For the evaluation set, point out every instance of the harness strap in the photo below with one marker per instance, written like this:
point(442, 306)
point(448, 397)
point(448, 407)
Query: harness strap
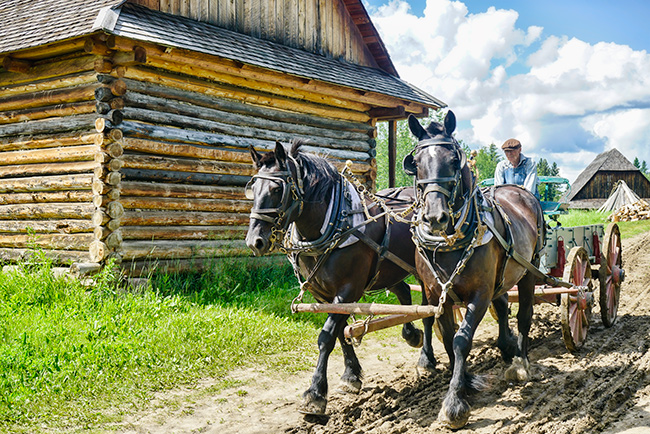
point(386, 253)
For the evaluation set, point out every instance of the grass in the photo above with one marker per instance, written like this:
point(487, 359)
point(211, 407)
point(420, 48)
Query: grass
point(589, 217)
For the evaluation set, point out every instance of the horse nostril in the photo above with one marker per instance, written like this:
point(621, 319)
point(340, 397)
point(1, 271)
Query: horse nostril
point(259, 244)
point(443, 219)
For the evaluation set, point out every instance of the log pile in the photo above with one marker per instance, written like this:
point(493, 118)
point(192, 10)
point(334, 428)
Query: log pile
point(639, 210)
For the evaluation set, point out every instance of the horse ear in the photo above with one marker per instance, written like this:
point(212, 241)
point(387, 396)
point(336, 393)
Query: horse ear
point(450, 122)
point(280, 155)
point(256, 156)
point(409, 165)
point(417, 129)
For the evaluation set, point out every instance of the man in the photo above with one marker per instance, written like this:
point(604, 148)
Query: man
point(516, 168)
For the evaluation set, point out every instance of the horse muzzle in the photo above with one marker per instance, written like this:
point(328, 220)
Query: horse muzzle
point(258, 244)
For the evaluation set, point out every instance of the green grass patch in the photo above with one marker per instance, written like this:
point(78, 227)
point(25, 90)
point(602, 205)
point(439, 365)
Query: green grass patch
point(76, 357)
point(590, 217)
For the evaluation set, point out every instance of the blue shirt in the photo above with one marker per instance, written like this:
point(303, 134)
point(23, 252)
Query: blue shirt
point(524, 174)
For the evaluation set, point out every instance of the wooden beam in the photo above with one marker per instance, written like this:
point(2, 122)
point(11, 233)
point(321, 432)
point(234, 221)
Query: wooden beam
point(183, 232)
point(180, 218)
point(165, 249)
point(392, 152)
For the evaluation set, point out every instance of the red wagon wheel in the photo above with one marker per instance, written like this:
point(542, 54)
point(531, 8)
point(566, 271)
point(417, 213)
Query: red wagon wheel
point(576, 308)
point(610, 275)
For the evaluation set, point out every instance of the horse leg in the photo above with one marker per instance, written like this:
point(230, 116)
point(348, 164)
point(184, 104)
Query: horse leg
point(315, 398)
point(352, 375)
point(506, 342)
point(427, 360)
point(519, 370)
point(411, 334)
point(455, 409)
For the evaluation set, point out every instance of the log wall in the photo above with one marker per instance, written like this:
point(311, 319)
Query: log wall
point(600, 186)
point(319, 26)
point(121, 151)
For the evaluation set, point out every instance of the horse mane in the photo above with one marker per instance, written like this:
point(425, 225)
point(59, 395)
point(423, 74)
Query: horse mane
point(435, 129)
point(319, 175)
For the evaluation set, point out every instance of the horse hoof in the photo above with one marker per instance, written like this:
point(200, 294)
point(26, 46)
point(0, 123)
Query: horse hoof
point(313, 406)
point(456, 423)
point(427, 364)
point(414, 339)
point(518, 371)
point(351, 387)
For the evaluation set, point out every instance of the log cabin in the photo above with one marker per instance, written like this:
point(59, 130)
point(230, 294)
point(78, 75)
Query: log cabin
point(124, 125)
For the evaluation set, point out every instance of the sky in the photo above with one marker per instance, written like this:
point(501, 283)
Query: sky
point(569, 79)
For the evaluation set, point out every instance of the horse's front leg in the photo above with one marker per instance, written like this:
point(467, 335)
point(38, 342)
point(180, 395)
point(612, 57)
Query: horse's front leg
point(506, 342)
point(455, 409)
point(520, 368)
point(352, 375)
point(315, 398)
point(411, 334)
point(427, 360)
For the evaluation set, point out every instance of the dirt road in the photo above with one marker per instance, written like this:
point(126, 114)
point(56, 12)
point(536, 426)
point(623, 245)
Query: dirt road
point(605, 387)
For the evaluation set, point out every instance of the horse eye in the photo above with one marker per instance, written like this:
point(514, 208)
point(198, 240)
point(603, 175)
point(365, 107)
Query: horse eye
point(275, 189)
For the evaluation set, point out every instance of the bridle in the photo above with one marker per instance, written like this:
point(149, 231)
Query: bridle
point(291, 204)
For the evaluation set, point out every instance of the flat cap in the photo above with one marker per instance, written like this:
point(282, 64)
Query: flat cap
point(511, 144)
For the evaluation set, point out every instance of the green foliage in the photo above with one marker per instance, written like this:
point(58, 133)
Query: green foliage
point(548, 192)
point(590, 217)
point(487, 159)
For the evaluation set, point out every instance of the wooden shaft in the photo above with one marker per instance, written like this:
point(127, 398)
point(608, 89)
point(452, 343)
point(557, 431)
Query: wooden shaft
point(187, 204)
point(182, 249)
point(46, 183)
point(65, 226)
point(359, 328)
point(366, 308)
point(183, 232)
point(178, 218)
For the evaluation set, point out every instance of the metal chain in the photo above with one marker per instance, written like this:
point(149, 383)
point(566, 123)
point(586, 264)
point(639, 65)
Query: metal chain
point(365, 193)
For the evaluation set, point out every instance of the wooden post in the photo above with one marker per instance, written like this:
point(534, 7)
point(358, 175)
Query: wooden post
point(392, 152)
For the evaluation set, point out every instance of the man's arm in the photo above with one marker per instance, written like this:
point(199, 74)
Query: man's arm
point(532, 180)
point(499, 177)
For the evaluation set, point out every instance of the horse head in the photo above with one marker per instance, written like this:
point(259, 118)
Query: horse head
point(442, 176)
point(277, 194)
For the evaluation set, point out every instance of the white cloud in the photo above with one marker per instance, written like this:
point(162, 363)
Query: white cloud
point(568, 101)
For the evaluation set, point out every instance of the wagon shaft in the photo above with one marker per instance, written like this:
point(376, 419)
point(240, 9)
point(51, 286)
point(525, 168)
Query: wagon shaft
point(365, 309)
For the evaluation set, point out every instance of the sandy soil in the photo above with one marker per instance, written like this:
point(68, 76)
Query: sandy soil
point(605, 387)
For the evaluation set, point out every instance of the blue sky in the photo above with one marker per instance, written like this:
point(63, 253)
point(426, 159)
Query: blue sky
point(570, 78)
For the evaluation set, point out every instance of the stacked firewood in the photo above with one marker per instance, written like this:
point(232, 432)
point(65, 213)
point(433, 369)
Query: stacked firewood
point(639, 210)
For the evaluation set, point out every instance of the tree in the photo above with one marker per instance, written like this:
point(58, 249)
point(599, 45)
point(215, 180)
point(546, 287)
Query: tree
point(644, 167)
point(637, 163)
point(487, 159)
point(549, 192)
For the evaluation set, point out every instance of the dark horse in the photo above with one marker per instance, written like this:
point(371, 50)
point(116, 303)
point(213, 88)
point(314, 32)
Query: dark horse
point(458, 263)
point(299, 188)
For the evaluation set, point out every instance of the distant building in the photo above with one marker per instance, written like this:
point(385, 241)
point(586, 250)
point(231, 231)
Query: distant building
point(594, 185)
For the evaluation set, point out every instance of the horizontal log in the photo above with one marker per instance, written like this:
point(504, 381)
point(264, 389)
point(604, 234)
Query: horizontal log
point(63, 226)
point(49, 126)
point(85, 268)
point(58, 256)
point(48, 70)
point(46, 183)
point(198, 96)
point(249, 96)
point(49, 155)
point(50, 141)
point(149, 131)
point(182, 177)
point(129, 188)
point(169, 105)
point(186, 204)
point(47, 97)
point(46, 169)
point(366, 308)
point(70, 109)
point(181, 218)
point(182, 249)
point(186, 150)
point(184, 232)
point(47, 211)
point(45, 197)
point(78, 79)
point(202, 124)
point(151, 162)
point(78, 241)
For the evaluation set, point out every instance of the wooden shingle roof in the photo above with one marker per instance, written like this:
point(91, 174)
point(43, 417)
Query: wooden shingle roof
point(610, 161)
point(139, 23)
